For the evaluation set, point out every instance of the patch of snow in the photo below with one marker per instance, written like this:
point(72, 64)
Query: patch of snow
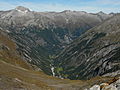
point(22, 11)
point(7, 31)
point(29, 58)
point(26, 55)
point(67, 39)
point(75, 52)
point(88, 59)
point(25, 11)
point(67, 20)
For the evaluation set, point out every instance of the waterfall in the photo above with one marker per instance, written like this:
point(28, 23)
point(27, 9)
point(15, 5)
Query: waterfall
point(52, 69)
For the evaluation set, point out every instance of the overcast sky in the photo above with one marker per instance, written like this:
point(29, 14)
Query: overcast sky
point(60, 5)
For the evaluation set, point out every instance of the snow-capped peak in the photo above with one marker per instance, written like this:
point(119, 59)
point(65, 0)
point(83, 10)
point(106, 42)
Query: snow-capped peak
point(22, 9)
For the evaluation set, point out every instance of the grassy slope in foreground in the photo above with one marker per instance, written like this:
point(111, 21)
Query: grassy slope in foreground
point(13, 77)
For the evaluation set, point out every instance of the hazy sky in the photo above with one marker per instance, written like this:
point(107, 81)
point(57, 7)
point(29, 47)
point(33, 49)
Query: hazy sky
point(60, 5)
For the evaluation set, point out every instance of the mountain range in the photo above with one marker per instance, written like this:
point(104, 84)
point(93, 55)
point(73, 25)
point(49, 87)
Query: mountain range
point(72, 45)
point(40, 36)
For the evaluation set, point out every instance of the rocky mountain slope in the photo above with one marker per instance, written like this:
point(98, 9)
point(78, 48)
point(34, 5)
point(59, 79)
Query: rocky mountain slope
point(41, 35)
point(17, 74)
point(8, 52)
point(95, 53)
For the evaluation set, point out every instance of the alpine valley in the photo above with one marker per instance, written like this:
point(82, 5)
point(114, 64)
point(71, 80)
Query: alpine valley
point(68, 50)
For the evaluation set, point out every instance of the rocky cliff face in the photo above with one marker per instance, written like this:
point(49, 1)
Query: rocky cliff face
point(95, 53)
point(41, 35)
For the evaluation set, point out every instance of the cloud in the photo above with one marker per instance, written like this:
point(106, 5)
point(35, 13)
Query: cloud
point(89, 6)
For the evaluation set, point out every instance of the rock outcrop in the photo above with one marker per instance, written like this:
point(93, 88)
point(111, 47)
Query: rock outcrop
point(113, 84)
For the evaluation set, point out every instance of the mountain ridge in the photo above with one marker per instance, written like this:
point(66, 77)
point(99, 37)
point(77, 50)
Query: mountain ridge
point(94, 53)
point(40, 36)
